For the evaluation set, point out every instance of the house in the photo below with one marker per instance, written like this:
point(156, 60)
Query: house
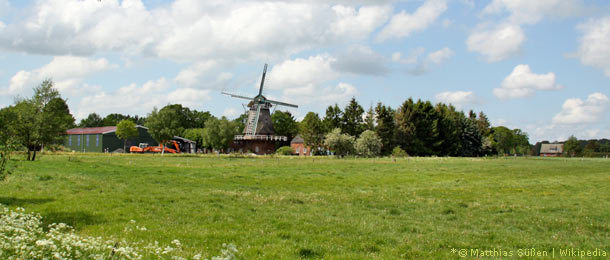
point(551, 150)
point(298, 146)
point(102, 139)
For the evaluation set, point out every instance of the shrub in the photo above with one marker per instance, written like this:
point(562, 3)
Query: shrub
point(341, 144)
point(22, 237)
point(399, 152)
point(369, 144)
point(284, 150)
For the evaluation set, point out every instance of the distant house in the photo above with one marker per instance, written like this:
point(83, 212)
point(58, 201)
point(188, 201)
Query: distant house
point(298, 146)
point(103, 139)
point(551, 150)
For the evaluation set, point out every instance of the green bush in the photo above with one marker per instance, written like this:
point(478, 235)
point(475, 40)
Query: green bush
point(399, 152)
point(369, 144)
point(341, 144)
point(284, 150)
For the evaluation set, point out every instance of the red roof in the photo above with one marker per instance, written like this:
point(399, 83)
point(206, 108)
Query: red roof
point(91, 130)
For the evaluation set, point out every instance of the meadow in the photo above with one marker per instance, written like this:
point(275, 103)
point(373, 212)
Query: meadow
point(309, 208)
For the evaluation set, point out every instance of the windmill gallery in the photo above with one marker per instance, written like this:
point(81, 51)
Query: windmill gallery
point(258, 135)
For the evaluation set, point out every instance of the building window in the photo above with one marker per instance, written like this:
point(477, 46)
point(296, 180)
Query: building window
point(256, 148)
point(69, 140)
point(78, 140)
point(298, 150)
point(87, 140)
point(97, 140)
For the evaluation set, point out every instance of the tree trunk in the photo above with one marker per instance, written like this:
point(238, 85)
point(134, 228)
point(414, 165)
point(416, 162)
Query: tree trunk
point(34, 156)
point(162, 149)
point(29, 154)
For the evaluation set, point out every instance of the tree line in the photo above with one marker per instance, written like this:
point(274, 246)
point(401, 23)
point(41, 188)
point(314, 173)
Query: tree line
point(418, 128)
point(579, 148)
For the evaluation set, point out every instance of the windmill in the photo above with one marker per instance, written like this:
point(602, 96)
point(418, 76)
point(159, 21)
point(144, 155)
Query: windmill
point(258, 125)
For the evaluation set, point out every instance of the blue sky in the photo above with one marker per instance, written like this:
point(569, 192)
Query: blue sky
point(542, 66)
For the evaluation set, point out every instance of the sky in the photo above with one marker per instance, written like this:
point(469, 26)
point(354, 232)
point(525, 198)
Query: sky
point(541, 66)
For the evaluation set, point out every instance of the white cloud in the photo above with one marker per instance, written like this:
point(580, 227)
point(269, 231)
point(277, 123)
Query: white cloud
point(67, 72)
point(498, 42)
point(403, 23)
point(595, 44)
point(577, 111)
point(530, 12)
point(137, 99)
point(231, 113)
point(5, 8)
point(440, 56)
point(189, 30)
point(522, 82)
point(459, 99)
point(203, 75)
point(301, 72)
point(359, 23)
point(189, 97)
point(320, 95)
point(360, 59)
point(307, 81)
point(412, 58)
point(421, 63)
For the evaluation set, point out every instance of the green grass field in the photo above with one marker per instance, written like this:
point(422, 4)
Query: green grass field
point(287, 208)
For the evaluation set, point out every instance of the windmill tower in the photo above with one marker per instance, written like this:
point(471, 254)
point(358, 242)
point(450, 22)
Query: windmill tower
point(259, 135)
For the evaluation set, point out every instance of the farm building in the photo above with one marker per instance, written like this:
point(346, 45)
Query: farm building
point(551, 150)
point(298, 146)
point(102, 139)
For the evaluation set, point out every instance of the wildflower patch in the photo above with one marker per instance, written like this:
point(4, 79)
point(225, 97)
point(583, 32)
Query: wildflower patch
point(23, 237)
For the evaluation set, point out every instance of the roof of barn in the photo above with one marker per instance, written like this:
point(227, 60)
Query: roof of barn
point(94, 130)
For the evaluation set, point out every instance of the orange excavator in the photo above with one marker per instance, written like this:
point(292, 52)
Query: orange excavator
point(144, 148)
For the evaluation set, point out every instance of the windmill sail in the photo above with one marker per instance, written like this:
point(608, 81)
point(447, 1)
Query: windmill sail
point(259, 117)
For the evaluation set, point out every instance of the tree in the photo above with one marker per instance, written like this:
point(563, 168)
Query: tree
point(449, 130)
point(470, 138)
point(211, 136)
point(483, 124)
point(352, 118)
point(163, 126)
point(341, 144)
point(385, 127)
point(7, 141)
point(240, 121)
point(114, 119)
point(312, 130)
point(228, 131)
point(368, 144)
point(572, 146)
point(219, 133)
point(503, 139)
point(125, 130)
point(92, 120)
point(195, 134)
point(521, 144)
point(24, 124)
point(333, 118)
point(591, 148)
point(41, 120)
point(369, 119)
point(284, 124)
point(417, 129)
